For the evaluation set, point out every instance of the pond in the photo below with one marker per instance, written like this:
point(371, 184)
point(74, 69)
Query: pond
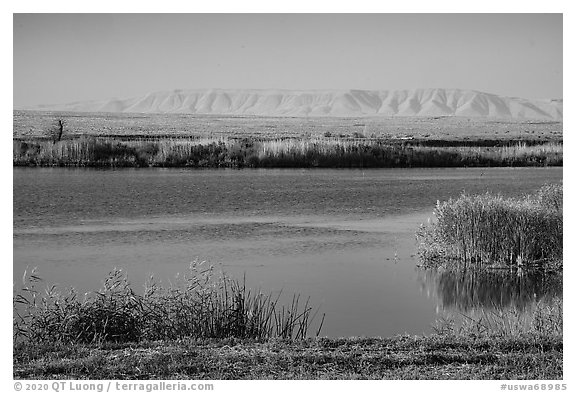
point(346, 238)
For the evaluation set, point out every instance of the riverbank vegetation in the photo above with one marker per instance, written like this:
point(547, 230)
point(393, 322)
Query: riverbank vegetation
point(281, 153)
point(488, 231)
point(199, 329)
point(199, 304)
point(491, 345)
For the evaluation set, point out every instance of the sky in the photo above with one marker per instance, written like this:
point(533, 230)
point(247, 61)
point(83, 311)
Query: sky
point(62, 58)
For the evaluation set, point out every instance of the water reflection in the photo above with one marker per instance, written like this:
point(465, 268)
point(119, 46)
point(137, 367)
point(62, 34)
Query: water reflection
point(466, 290)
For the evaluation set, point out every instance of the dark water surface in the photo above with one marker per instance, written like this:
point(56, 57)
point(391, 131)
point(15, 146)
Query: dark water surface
point(343, 237)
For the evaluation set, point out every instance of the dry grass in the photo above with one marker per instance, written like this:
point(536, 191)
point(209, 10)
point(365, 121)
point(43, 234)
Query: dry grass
point(404, 357)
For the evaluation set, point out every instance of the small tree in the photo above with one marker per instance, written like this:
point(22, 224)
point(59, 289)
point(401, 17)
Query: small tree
point(55, 132)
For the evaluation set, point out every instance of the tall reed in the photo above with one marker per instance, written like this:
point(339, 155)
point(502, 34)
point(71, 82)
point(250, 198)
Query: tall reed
point(487, 230)
point(198, 304)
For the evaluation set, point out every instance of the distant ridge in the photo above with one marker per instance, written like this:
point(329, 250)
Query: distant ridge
point(334, 103)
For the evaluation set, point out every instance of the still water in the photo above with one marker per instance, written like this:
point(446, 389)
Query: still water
point(343, 237)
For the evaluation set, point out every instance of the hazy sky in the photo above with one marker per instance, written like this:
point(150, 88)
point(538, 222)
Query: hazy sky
point(60, 58)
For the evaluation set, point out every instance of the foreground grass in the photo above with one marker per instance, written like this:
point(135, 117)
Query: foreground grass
point(403, 357)
point(284, 153)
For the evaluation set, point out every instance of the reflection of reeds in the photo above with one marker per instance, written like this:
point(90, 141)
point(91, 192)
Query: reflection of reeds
point(197, 305)
point(544, 318)
point(483, 230)
point(294, 153)
point(469, 289)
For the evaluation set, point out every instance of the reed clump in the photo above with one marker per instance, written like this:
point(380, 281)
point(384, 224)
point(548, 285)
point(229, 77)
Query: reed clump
point(288, 153)
point(489, 230)
point(198, 305)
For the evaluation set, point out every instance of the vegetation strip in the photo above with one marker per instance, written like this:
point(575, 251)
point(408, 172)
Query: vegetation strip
point(282, 153)
point(403, 357)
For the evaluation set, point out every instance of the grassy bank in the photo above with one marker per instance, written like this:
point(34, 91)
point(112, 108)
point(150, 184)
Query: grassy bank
point(490, 230)
point(287, 153)
point(404, 357)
